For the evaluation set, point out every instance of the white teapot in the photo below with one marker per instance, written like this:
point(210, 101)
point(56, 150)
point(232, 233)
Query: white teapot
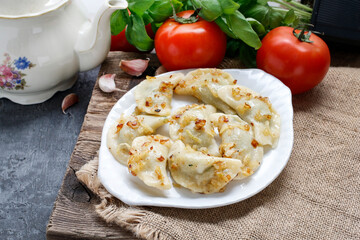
point(45, 43)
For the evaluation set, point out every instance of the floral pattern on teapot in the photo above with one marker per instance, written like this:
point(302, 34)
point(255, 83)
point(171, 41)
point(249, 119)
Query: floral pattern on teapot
point(11, 75)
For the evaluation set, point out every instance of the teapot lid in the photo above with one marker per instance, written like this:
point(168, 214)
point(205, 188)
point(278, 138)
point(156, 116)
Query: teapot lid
point(28, 8)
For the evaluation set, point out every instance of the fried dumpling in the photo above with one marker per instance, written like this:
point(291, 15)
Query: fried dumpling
point(148, 159)
point(153, 95)
point(126, 129)
point(199, 172)
point(255, 110)
point(238, 142)
point(204, 84)
point(191, 124)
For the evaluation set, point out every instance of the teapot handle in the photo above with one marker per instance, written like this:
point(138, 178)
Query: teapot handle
point(93, 42)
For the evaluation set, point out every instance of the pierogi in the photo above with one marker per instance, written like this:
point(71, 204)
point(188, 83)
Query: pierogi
point(191, 124)
point(126, 129)
point(238, 142)
point(199, 172)
point(255, 110)
point(148, 159)
point(204, 84)
point(153, 95)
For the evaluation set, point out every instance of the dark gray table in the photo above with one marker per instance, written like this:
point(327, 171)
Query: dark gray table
point(36, 142)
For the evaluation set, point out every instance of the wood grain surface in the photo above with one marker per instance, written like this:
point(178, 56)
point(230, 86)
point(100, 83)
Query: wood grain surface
point(73, 215)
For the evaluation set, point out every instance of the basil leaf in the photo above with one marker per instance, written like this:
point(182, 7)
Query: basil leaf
point(243, 30)
point(147, 18)
point(257, 26)
point(263, 2)
point(210, 9)
point(139, 6)
point(221, 22)
point(260, 13)
point(237, 48)
point(155, 26)
point(233, 48)
point(296, 22)
point(245, 4)
point(118, 21)
point(265, 14)
point(247, 55)
point(275, 19)
point(136, 33)
point(229, 6)
point(290, 17)
point(162, 9)
point(187, 5)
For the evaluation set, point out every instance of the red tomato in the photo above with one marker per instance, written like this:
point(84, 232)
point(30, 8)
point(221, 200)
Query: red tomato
point(191, 45)
point(299, 65)
point(120, 43)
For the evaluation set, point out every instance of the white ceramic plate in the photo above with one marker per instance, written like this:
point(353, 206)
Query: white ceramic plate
point(129, 189)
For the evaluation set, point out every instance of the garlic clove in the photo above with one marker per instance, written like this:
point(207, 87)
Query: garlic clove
point(107, 83)
point(160, 70)
point(68, 101)
point(134, 67)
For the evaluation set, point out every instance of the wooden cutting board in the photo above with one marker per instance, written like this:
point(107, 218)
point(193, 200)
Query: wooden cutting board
point(73, 216)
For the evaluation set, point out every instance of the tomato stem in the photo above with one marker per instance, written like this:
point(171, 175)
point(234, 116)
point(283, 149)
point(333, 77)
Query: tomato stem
point(302, 36)
point(192, 19)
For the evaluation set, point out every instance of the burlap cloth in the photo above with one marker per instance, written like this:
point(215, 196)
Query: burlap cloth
point(317, 196)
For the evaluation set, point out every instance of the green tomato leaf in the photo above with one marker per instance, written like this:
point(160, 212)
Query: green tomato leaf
point(243, 30)
point(136, 33)
point(257, 26)
point(139, 6)
point(290, 17)
point(229, 6)
point(118, 21)
point(210, 9)
point(162, 9)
